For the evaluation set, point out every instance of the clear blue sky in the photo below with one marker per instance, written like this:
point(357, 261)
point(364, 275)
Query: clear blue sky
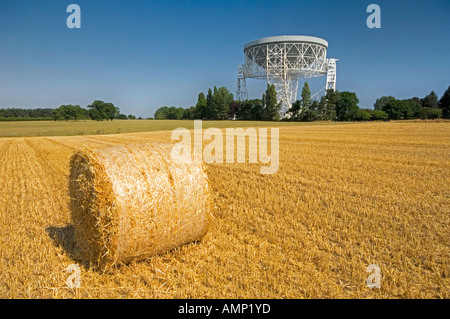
point(141, 55)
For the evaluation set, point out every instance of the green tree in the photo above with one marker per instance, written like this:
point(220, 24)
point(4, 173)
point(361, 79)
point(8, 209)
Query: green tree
point(430, 113)
point(271, 107)
point(96, 110)
point(322, 109)
point(415, 104)
point(306, 96)
point(221, 101)
point(310, 113)
point(256, 110)
point(244, 110)
point(249, 110)
point(18, 113)
point(363, 115)
point(76, 111)
point(174, 113)
point(263, 102)
point(234, 108)
point(100, 110)
point(378, 115)
point(209, 105)
point(201, 107)
point(382, 101)
point(96, 115)
point(431, 100)
point(308, 109)
point(70, 111)
point(65, 112)
point(189, 114)
point(56, 114)
point(111, 111)
point(295, 109)
point(444, 103)
point(399, 110)
point(347, 106)
point(214, 105)
point(331, 98)
point(161, 112)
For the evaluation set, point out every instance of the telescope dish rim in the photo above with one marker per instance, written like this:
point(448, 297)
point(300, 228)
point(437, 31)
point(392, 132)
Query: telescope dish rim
point(286, 39)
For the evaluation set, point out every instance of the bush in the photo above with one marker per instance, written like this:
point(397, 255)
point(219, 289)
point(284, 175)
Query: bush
point(363, 115)
point(430, 113)
point(121, 117)
point(378, 115)
point(12, 119)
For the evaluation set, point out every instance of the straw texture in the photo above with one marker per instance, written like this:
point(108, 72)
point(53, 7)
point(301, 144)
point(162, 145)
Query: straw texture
point(134, 201)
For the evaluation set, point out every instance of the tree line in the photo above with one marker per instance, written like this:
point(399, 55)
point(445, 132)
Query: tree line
point(31, 114)
point(98, 111)
point(333, 106)
point(218, 104)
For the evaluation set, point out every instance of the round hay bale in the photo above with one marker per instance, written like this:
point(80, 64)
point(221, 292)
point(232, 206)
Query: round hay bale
point(134, 201)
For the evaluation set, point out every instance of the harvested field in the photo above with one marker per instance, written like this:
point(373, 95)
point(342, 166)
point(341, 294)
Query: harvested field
point(344, 197)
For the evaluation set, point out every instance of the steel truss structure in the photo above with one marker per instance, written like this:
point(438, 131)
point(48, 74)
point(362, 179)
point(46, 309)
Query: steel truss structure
point(282, 61)
point(241, 85)
point(331, 75)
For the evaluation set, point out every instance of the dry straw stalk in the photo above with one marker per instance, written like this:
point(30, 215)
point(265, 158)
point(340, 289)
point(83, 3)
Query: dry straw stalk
point(134, 201)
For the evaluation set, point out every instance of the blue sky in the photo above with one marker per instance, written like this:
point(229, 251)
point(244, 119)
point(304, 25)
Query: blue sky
point(141, 55)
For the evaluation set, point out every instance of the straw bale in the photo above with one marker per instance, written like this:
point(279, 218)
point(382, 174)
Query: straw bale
point(134, 201)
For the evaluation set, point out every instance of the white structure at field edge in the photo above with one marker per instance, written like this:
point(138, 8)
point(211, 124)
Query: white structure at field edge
point(282, 61)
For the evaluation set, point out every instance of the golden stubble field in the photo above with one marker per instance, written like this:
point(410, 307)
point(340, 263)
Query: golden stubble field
point(344, 197)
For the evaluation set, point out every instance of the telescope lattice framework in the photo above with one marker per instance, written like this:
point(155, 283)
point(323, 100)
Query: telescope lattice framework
point(282, 61)
point(241, 85)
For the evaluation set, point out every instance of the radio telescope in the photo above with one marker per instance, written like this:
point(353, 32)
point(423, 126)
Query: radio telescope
point(282, 61)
